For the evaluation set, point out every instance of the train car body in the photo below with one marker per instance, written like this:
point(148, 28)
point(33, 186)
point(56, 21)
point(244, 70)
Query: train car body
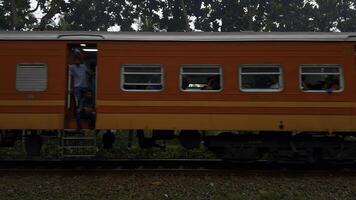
point(289, 108)
point(40, 101)
point(42, 108)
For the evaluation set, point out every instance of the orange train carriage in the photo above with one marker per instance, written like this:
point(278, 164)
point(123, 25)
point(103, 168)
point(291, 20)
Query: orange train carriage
point(246, 83)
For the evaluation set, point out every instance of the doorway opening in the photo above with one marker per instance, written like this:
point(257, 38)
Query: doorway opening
point(81, 90)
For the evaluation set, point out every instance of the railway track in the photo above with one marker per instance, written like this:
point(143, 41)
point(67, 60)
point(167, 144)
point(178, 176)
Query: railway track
point(171, 165)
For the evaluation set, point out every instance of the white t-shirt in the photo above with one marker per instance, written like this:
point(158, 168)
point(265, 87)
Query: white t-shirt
point(79, 74)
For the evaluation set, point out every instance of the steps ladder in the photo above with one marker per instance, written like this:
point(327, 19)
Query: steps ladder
point(79, 144)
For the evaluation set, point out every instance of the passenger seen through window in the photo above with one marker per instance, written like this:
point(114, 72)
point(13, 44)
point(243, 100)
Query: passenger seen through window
point(142, 77)
point(323, 78)
point(201, 78)
point(260, 78)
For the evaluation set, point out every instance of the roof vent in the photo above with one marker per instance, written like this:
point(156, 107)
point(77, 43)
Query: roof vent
point(80, 37)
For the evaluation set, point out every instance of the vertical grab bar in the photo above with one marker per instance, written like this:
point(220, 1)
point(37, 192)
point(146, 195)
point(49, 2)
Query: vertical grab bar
point(69, 89)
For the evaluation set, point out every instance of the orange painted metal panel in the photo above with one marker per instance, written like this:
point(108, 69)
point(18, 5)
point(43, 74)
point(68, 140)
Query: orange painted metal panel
point(147, 111)
point(31, 121)
point(32, 110)
point(227, 107)
point(286, 104)
point(246, 122)
point(229, 55)
point(228, 110)
point(113, 54)
point(50, 53)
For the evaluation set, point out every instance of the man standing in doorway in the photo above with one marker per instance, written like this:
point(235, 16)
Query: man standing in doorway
point(79, 74)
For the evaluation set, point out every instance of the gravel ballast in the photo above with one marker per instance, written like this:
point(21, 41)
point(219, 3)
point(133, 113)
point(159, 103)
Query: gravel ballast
point(251, 186)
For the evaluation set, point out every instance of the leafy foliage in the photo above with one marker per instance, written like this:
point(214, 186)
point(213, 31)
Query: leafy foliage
point(88, 15)
point(15, 15)
point(181, 15)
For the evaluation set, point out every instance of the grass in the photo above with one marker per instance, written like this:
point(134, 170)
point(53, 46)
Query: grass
point(171, 152)
point(16, 152)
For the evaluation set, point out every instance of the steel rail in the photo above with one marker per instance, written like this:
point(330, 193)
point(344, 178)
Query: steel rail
point(169, 165)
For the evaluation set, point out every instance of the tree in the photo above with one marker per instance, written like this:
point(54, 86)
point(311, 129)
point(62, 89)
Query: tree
point(16, 15)
point(178, 15)
point(146, 13)
point(146, 25)
point(203, 11)
point(324, 15)
point(231, 15)
point(175, 15)
point(183, 9)
point(87, 15)
point(346, 18)
point(121, 14)
point(50, 8)
point(3, 22)
point(276, 15)
point(255, 14)
point(289, 16)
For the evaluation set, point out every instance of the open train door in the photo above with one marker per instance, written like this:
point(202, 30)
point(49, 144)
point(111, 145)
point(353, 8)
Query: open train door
point(81, 90)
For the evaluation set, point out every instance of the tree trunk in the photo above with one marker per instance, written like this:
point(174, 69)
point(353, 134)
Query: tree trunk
point(13, 15)
point(185, 15)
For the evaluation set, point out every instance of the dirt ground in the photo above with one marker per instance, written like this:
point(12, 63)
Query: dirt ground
point(131, 185)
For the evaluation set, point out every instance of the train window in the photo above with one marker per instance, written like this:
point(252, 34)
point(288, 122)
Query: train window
point(200, 78)
point(31, 77)
point(321, 78)
point(142, 77)
point(260, 78)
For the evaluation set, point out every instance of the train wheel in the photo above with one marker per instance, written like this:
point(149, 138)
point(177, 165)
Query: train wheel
point(8, 138)
point(190, 139)
point(33, 144)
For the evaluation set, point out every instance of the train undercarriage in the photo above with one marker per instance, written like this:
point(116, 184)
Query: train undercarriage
point(283, 147)
point(267, 146)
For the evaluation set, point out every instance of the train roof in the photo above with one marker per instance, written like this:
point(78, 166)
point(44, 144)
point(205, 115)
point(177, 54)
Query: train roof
point(178, 36)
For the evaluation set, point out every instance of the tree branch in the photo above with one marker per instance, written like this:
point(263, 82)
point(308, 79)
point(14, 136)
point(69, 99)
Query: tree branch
point(52, 11)
point(185, 15)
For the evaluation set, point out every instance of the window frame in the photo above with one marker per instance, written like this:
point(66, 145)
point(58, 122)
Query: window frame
point(341, 73)
point(45, 65)
point(269, 90)
point(219, 66)
point(122, 74)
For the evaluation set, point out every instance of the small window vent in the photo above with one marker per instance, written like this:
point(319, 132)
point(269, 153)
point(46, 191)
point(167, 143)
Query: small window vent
point(31, 77)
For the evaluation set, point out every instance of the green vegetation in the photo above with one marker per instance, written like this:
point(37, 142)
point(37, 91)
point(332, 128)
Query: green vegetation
point(52, 150)
point(170, 152)
point(171, 16)
point(267, 195)
point(16, 152)
point(172, 149)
